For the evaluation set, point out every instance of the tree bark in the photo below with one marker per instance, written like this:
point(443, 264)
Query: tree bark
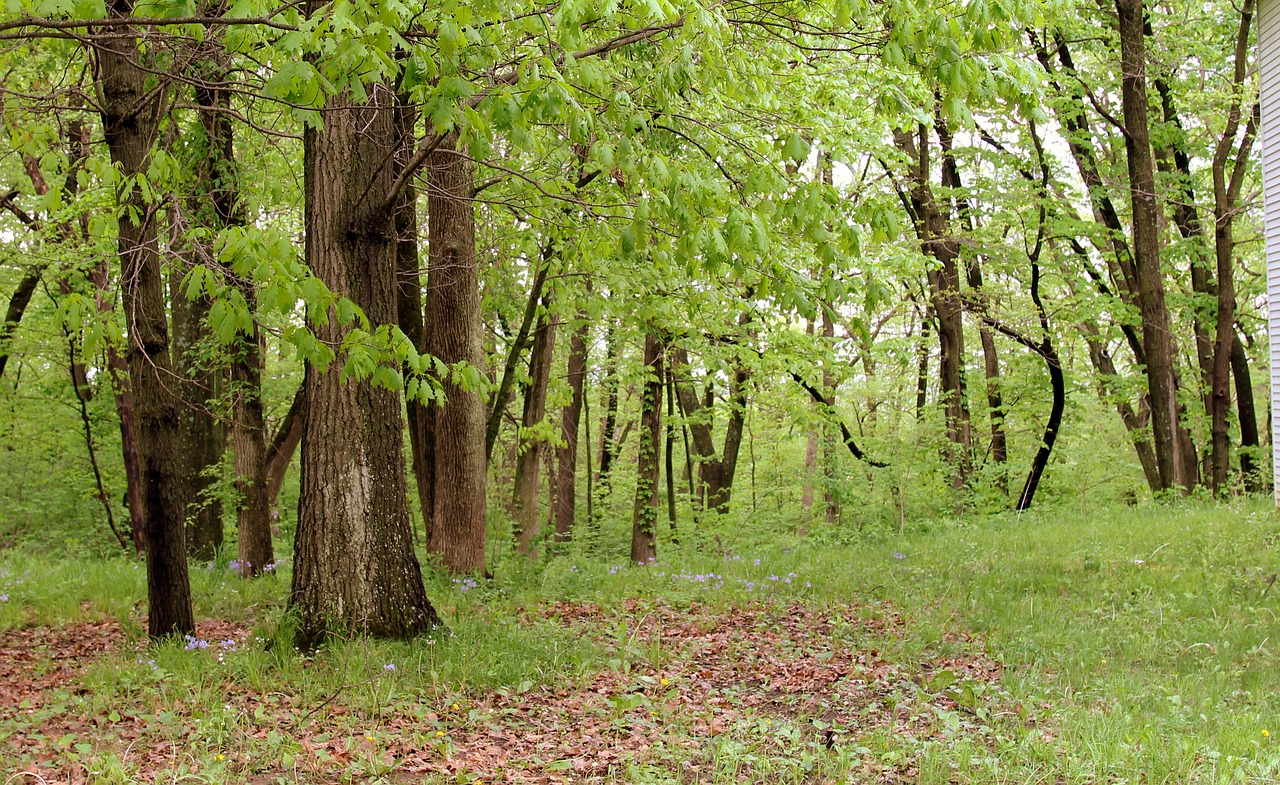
point(354, 569)
point(644, 518)
point(130, 114)
point(532, 448)
point(456, 532)
point(1157, 337)
point(567, 453)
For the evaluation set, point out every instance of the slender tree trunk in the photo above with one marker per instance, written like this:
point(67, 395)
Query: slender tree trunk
point(829, 450)
point(1157, 336)
point(810, 465)
point(283, 445)
point(922, 364)
point(567, 453)
point(1248, 417)
point(533, 447)
point(644, 518)
point(355, 568)
point(456, 532)
point(130, 114)
point(420, 415)
point(669, 467)
point(1135, 423)
point(608, 427)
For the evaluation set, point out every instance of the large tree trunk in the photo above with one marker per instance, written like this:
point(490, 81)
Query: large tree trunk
point(130, 114)
point(567, 453)
point(532, 447)
point(354, 569)
point(1157, 338)
point(456, 531)
point(644, 518)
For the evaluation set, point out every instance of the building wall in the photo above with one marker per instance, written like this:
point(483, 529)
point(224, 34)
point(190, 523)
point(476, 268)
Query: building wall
point(1269, 69)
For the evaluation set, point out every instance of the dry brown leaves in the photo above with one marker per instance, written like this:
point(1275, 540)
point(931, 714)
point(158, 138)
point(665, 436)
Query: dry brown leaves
point(679, 680)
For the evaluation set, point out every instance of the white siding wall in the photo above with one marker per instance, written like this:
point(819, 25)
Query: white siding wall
point(1269, 68)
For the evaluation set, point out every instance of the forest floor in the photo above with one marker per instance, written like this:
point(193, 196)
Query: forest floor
point(1137, 647)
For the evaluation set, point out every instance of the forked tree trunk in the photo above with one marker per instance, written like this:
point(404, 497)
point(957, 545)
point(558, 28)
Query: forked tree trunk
point(354, 569)
point(130, 115)
point(644, 517)
point(456, 531)
point(567, 453)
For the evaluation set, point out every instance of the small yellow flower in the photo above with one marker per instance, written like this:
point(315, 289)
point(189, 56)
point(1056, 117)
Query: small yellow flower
point(370, 738)
point(439, 733)
point(665, 682)
point(456, 706)
point(1266, 734)
point(219, 756)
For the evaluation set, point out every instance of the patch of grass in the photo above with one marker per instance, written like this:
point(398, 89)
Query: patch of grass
point(1134, 645)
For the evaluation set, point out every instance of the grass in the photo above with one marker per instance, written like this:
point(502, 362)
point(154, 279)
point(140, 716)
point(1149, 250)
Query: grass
point(1134, 645)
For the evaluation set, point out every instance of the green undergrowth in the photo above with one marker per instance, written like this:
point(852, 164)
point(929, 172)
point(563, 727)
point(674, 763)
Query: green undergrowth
point(1132, 644)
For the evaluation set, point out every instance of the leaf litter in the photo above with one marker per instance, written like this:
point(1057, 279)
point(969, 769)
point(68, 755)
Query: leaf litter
point(680, 682)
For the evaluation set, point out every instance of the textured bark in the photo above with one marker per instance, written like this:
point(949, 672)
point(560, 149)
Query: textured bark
point(456, 532)
point(832, 501)
point(1157, 339)
point(533, 449)
point(933, 229)
point(130, 112)
point(644, 517)
point(354, 568)
point(1253, 481)
point(567, 453)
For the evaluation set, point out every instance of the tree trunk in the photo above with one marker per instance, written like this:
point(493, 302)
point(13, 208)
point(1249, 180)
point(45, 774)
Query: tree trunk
point(1134, 422)
point(285, 442)
point(644, 518)
point(354, 569)
point(829, 450)
point(1253, 481)
point(217, 204)
point(456, 532)
point(567, 453)
point(420, 415)
point(1157, 337)
point(130, 115)
point(608, 428)
point(532, 448)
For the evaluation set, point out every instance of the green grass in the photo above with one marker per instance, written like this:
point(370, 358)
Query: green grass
point(1137, 645)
